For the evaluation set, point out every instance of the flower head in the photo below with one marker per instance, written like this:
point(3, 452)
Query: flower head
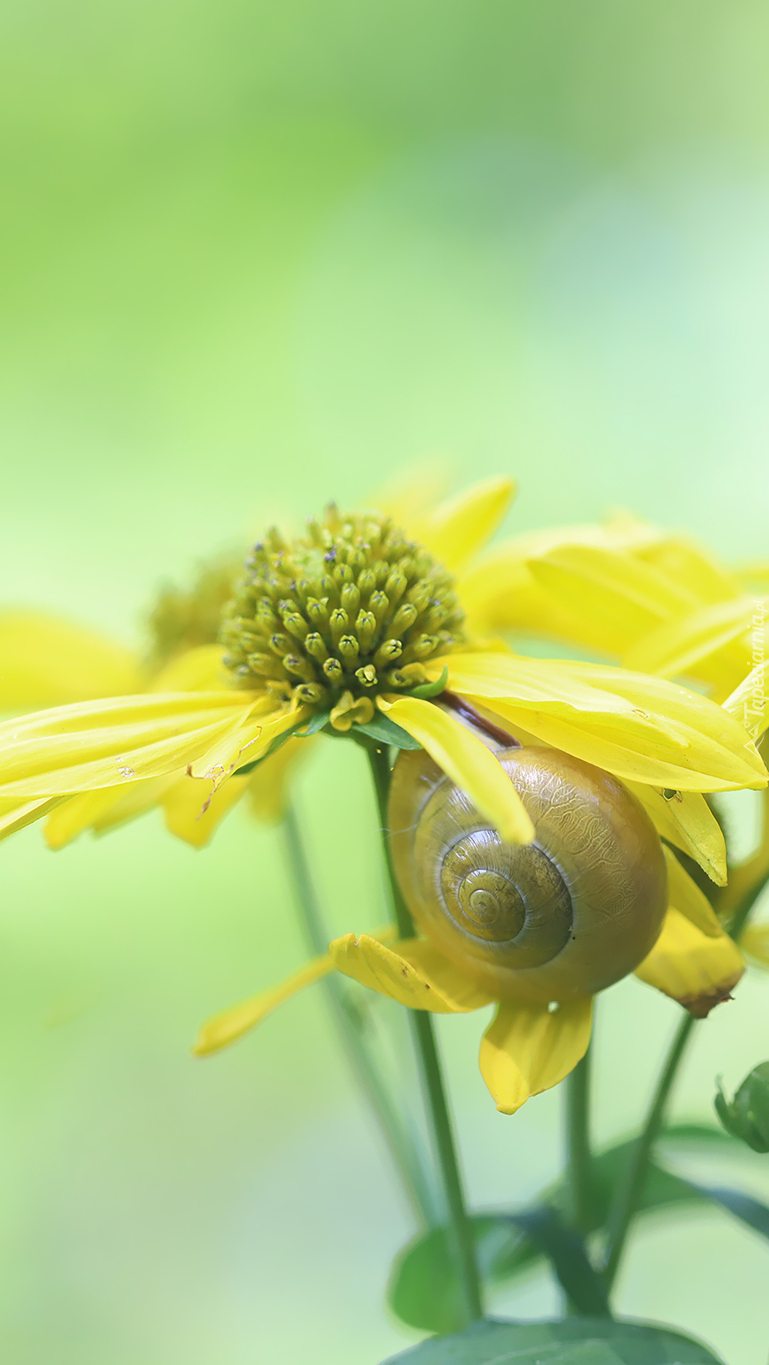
point(339, 615)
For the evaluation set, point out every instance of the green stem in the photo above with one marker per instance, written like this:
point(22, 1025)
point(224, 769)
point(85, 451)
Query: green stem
point(400, 1143)
point(579, 1157)
point(630, 1190)
point(742, 913)
point(460, 1227)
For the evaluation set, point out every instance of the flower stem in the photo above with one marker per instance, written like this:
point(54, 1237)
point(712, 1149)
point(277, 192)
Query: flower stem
point(404, 1152)
point(460, 1228)
point(630, 1190)
point(579, 1157)
point(756, 875)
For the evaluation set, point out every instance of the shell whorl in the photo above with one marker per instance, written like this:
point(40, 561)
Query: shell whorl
point(565, 916)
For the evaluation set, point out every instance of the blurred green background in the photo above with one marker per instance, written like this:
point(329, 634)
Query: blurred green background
point(254, 256)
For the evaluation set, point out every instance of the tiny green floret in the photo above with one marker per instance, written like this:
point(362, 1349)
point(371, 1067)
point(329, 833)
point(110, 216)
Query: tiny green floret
point(332, 618)
point(185, 618)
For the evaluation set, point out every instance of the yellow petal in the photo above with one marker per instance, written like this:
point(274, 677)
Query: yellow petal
point(754, 574)
point(747, 704)
point(193, 814)
point(686, 820)
point(628, 596)
point(410, 496)
point(703, 643)
point(114, 740)
point(466, 761)
point(528, 1049)
point(104, 809)
point(414, 973)
point(635, 725)
point(230, 1024)
point(244, 742)
point(461, 525)
point(685, 896)
point(269, 783)
point(691, 567)
point(754, 941)
point(696, 970)
point(45, 661)
point(500, 591)
point(196, 670)
point(15, 815)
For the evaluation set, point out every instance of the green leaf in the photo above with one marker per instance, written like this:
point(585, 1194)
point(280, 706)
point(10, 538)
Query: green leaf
point(433, 689)
point(574, 1341)
point(387, 732)
point(750, 1211)
point(315, 724)
point(697, 1133)
point(423, 1287)
point(565, 1249)
point(424, 1291)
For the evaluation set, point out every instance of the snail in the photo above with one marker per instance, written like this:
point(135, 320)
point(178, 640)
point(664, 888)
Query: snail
point(554, 920)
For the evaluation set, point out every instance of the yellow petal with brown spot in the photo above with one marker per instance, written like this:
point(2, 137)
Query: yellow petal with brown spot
point(694, 969)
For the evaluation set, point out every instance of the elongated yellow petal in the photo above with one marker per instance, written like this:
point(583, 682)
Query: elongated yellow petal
point(414, 973)
point(686, 820)
point(196, 670)
point(460, 526)
point(691, 567)
point(466, 761)
point(500, 591)
point(747, 704)
point(702, 643)
point(696, 970)
point(528, 1049)
point(78, 813)
point(15, 815)
point(627, 595)
point(637, 726)
point(114, 740)
point(45, 661)
point(685, 896)
point(230, 1024)
point(269, 783)
point(193, 814)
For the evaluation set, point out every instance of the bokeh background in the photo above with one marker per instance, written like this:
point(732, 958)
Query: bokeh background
point(255, 255)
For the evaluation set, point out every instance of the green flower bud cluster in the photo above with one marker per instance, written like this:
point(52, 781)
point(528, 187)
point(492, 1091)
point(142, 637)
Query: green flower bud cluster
point(350, 609)
point(184, 618)
point(747, 1117)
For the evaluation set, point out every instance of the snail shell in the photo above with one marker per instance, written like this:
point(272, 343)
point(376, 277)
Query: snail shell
point(565, 916)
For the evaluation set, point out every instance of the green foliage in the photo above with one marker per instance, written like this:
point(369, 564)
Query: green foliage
point(747, 1117)
point(424, 1291)
point(387, 732)
point(574, 1341)
point(433, 689)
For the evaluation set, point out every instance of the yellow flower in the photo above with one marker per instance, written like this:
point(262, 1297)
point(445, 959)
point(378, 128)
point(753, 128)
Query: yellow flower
point(531, 1044)
point(51, 661)
point(363, 631)
point(657, 602)
point(355, 628)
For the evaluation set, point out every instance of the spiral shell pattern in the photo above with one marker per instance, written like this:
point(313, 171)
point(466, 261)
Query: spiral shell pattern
point(565, 916)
